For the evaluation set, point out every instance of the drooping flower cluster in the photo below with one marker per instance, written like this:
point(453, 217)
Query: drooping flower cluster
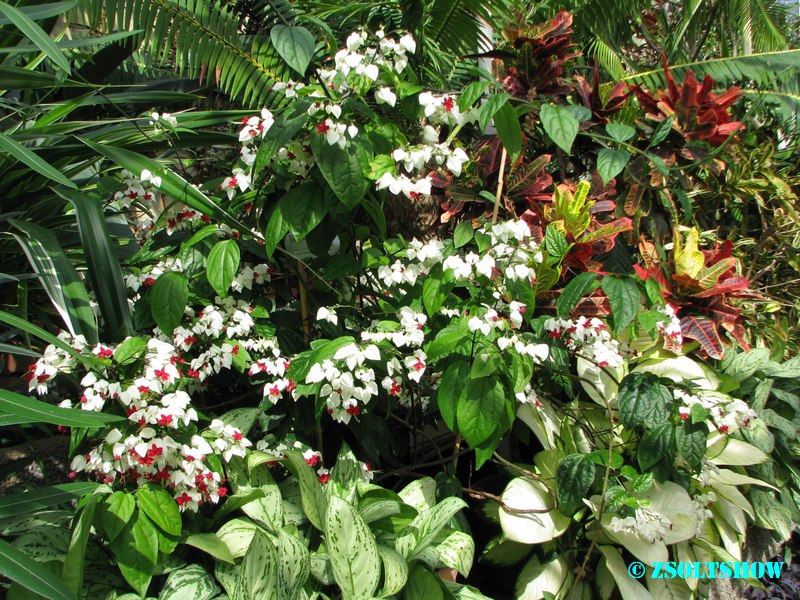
point(645, 523)
point(726, 414)
point(589, 338)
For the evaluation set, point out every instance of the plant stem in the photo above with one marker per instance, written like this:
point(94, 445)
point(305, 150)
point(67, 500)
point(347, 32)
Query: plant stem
point(499, 193)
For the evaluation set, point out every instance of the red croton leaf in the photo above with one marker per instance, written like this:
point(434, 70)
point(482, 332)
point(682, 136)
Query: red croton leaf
point(697, 113)
point(704, 331)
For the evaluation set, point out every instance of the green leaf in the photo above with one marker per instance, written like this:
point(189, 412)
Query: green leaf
point(210, 544)
point(574, 479)
point(661, 132)
point(424, 585)
point(623, 295)
point(72, 571)
point(168, 298)
point(302, 209)
point(471, 93)
point(656, 446)
point(59, 278)
point(36, 411)
point(21, 568)
point(294, 564)
point(31, 159)
point(620, 132)
point(642, 400)
point(136, 550)
point(130, 350)
point(395, 571)
point(556, 242)
point(487, 111)
point(104, 270)
point(190, 582)
point(560, 124)
point(690, 439)
point(353, 552)
point(25, 502)
point(572, 293)
point(480, 409)
point(295, 45)
point(506, 122)
point(343, 168)
point(433, 294)
point(35, 34)
point(158, 504)
point(312, 496)
point(222, 265)
point(447, 341)
point(116, 512)
point(610, 163)
point(420, 533)
point(463, 234)
point(456, 550)
point(258, 577)
point(277, 228)
point(452, 387)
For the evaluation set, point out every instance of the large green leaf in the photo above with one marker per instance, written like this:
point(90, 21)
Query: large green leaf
point(560, 124)
point(506, 122)
point(302, 208)
point(642, 400)
point(343, 169)
point(72, 571)
point(136, 550)
point(572, 293)
point(168, 298)
point(21, 568)
point(312, 496)
point(353, 551)
point(258, 577)
point(295, 45)
point(574, 478)
point(420, 533)
point(222, 265)
point(623, 295)
point(480, 409)
point(104, 270)
point(158, 504)
point(191, 582)
point(59, 278)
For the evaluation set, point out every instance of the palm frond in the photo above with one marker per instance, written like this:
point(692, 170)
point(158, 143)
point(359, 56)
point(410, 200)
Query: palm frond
point(205, 41)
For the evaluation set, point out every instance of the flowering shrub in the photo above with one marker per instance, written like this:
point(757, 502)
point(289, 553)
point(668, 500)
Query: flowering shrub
point(278, 284)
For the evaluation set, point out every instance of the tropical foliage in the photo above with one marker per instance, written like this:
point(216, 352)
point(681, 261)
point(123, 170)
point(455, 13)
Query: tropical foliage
point(434, 299)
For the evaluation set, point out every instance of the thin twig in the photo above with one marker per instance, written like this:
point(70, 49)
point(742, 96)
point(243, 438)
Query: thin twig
point(478, 494)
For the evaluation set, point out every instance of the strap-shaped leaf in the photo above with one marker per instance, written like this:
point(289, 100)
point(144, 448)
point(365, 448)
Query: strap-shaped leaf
point(30, 410)
point(30, 158)
point(104, 270)
point(35, 34)
point(59, 278)
point(20, 567)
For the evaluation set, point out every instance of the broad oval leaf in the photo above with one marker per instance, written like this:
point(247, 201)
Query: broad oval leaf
point(480, 409)
point(294, 44)
point(574, 478)
point(642, 400)
point(158, 504)
point(343, 168)
point(560, 124)
point(222, 265)
point(623, 295)
point(610, 162)
point(168, 298)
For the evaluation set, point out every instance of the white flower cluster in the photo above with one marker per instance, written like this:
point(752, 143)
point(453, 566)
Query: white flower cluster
point(157, 445)
point(148, 275)
point(671, 328)
point(142, 189)
point(727, 414)
point(645, 524)
point(588, 337)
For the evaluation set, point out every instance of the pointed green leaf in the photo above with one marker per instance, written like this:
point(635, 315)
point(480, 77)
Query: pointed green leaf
point(30, 158)
point(623, 295)
point(295, 45)
point(21, 568)
point(36, 411)
point(35, 34)
point(222, 265)
point(611, 162)
point(168, 298)
point(560, 124)
point(354, 554)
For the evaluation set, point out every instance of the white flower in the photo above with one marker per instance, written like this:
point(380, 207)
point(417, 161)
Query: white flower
point(385, 95)
point(323, 314)
point(408, 44)
point(155, 180)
